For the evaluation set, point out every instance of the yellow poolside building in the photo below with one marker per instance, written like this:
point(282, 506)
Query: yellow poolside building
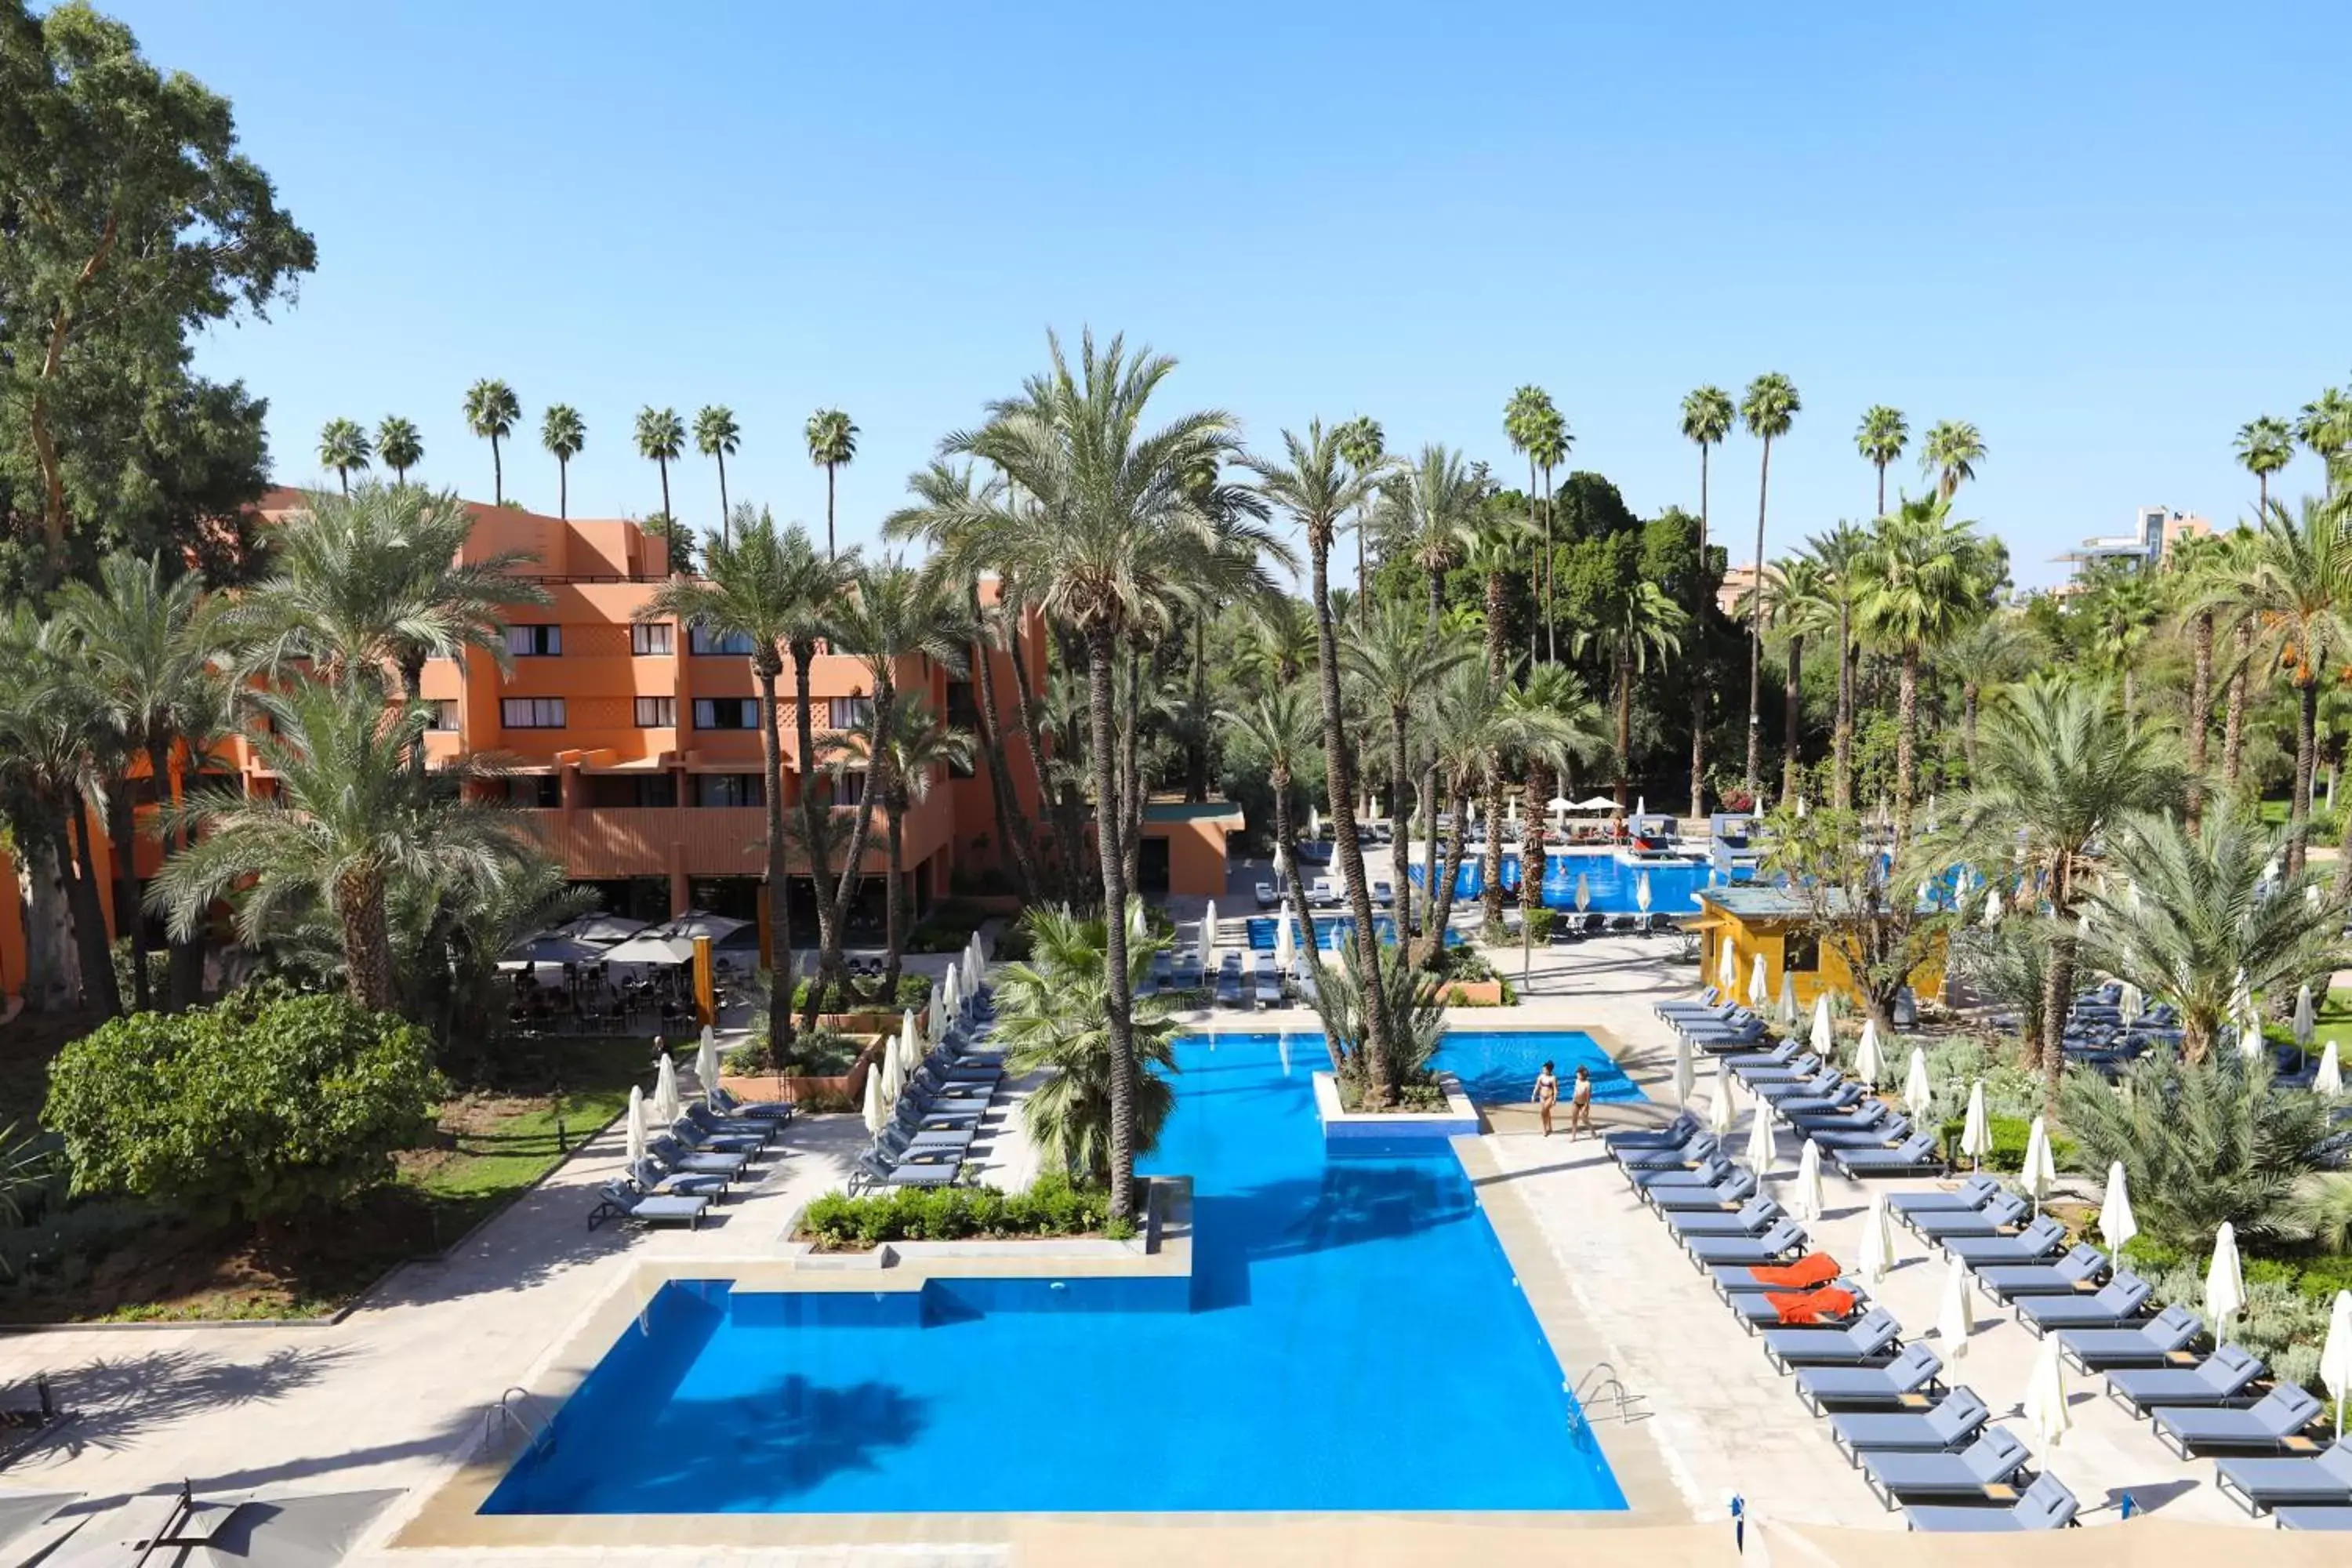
point(1752, 919)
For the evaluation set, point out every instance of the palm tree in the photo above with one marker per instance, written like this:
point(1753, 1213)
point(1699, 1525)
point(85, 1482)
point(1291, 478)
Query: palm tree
point(2123, 613)
point(1767, 410)
point(2184, 912)
point(900, 751)
point(1280, 731)
point(1535, 427)
point(2293, 585)
point(1494, 556)
point(343, 446)
point(1111, 528)
point(1549, 450)
point(716, 435)
point(832, 446)
point(2190, 570)
point(1951, 453)
point(1553, 692)
point(563, 432)
point(753, 586)
point(660, 438)
point(1836, 553)
point(1880, 439)
point(2056, 774)
point(1707, 417)
point(2265, 446)
point(1088, 1116)
point(1630, 622)
point(1321, 480)
point(52, 733)
point(1396, 669)
point(1924, 579)
point(2324, 426)
point(1805, 604)
point(490, 414)
point(1363, 447)
point(399, 445)
point(1430, 512)
point(347, 820)
point(1987, 654)
point(144, 656)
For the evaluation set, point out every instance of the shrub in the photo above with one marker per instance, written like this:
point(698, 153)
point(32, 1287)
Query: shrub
point(259, 1106)
point(1053, 1205)
point(2010, 1134)
point(914, 990)
point(820, 1052)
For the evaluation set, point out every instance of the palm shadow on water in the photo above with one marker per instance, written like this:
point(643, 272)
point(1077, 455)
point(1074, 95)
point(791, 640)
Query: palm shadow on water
point(783, 1440)
point(1351, 1202)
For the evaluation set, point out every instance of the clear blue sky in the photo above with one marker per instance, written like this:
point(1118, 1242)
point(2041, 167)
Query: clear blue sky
point(2107, 234)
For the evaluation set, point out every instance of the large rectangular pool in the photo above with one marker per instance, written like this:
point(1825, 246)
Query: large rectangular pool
point(1352, 1338)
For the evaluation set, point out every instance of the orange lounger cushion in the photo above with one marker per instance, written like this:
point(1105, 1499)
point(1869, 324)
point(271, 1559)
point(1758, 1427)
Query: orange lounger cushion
point(1812, 1306)
point(1815, 1269)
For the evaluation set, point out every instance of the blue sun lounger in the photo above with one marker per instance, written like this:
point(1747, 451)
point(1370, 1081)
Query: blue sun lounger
point(2118, 1303)
point(1681, 1130)
point(2163, 1341)
point(1699, 1148)
point(2273, 1426)
point(1713, 1171)
point(1825, 1081)
point(1785, 1240)
point(1229, 981)
point(1986, 1471)
point(1797, 1069)
point(1947, 1426)
point(2311, 1517)
point(1734, 1190)
point(1786, 1054)
point(1995, 1219)
point(1754, 1217)
point(1915, 1155)
point(1873, 1340)
point(1794, 1108)
point(622, 1200)
point(2222, 1378)
point(2045, 1505)
point(2043, 1239)
point(2258, 1484)
point(676, 1156)
point(1972, 1193)
point(873, 1171)
point(1908, 1383)
point(2078, 1273)
point(650, 1176)
point(1755, 1310)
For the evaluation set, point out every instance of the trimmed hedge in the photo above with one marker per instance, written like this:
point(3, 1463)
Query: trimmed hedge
point(1052, 1206)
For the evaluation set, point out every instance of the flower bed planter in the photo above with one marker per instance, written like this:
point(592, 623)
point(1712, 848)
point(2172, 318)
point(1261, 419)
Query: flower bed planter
point(1459, 1119)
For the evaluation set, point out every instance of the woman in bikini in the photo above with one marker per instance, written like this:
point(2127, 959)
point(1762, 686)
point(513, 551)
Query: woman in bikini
point(1579, 1105)
point(1547, 1096)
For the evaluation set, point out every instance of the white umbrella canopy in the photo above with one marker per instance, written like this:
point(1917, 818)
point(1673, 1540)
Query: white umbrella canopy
point(706, 1063)
point(1512, 816)
point(1993, 907)
point(1759, 990)
point(1583, 893)
point(2329, 1079)
point(2132, 1004)
point(2040, 1170)
point(950, 1004)
point(1719, 1109)
point(1787, 1007)
point(1875, 1255)
point(2225, 1282)
point(1806, 1202)
point(636, 1128)
point(1686, 1071)
point(1208, 932)
point(1918, 1094)
point(2302, 1017)
point(2335, 1355)
point(1759, 1140)
point(1314, 822)
point(1824, 1036)
point(666, 1108)
point(910, 1053)
point(1869, 1064)
point(1285, 948)
point(1642, 891)
point(894, 1077)
point(1801, 805)
point(1727, 967)
point(938, 1021)
point(1559, 805)
point(1976, 1131)
point(2045, 1395)
point(873, 1107)
point(1640, 805)
point(1957, 1314)
point(2117, 1224)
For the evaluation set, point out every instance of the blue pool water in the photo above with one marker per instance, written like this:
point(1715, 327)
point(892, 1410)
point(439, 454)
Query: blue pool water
point(1610, 881)
point(1499, 1065)
point(1351, 1339)
point(1330, 932)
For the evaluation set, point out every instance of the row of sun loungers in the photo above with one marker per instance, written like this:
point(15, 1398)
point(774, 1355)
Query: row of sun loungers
point(1322, 893)
point(691, 1166)
point(931, 1134)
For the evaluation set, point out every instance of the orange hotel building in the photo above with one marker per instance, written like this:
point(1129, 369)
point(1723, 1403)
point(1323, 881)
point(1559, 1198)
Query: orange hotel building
point(635, 748)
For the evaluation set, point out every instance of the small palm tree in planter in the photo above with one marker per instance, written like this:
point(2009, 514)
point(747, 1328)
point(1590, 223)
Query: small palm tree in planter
point(1052, 1015)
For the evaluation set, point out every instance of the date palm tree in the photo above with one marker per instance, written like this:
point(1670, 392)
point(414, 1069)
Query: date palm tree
point(717, 436)
point(1363, 447)
point(1924, 578)
point(563, 432)
point(1430, 512)
point(1111, 531)
point(1535, 427)
point(2324, 426)
point(491, 412)
point(1951, 453)
point(1549, 450)
point(399, 445)
point(343, 446)
point(660, 438)
point(1278, 730)
point(1707, 417)
point(347, 821)
point(833, 446)
point(1769, 408)
point(1553, 691)
point(2190, 568)
point(2123, 613)
point(2057, 774)
point(1991, 652)
point(902, 752)
point(1395, 670)
point(1836, 553)
point(2265, 446)
point(1630, 624)
point(2293, 586)
point(53, 735)
point(1494, 556)
point(1880, 439)
point(1805, 606)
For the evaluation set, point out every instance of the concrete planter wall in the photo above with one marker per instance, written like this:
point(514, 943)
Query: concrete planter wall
point(1459, 1119)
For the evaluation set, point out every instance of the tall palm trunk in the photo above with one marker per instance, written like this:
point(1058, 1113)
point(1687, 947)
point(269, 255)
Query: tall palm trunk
point(2058, 985)
point(780, 926)
point(2306, 729)
point(1490, 863)
point(1339, 789)
point(412, 689)
point(367, 941)
point(1448, 873)
point(1064, 858)
point(562, 489)
point(1756, 633)
point(1906, 727)
point(1790, 761)
point(1196, 748)
point(723, 514)
point(2131, 699)
point(2201, 711)
point(123, 830)
point(1970, 692)
point(2234, 726)
point(894, 920)
point(1532, 862)
point(1294, 886)
point(1699, 641)
point(1117, 1007)
point(861, 834)
point(1551, 627)
point(1012, 820)
point(1882, 490)
point(184, 983)
point(1401, 828)
point(1442, 910)
point(813, 812)
point(663, 464)
point(1624, 662)
point(830, 550)
point(498, 476)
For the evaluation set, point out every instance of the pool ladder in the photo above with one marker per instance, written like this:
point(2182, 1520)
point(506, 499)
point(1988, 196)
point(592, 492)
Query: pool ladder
point(516, 1409)
point(1593, 1385)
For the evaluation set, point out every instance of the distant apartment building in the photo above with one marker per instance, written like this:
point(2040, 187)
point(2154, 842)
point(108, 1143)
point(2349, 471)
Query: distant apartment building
point(2155, 530)
point(1732, 592)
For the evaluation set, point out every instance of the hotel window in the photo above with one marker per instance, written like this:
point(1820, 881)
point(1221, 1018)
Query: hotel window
point(962, 711)
point(850, 712)
point(726, 712)
point(532, 713)
point(650, 637)
point(622, 790)
point(849, 789)
point(1801, 955)
point(444, 714)
point(534, 642)
point(544, 791)
point(703, 641)
point(728, 789)
point(657, 713)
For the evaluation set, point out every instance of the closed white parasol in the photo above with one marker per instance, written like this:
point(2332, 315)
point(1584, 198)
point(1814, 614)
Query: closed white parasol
point(2335, 1355)
point(2302, 1017)
point(1686, 1071)
point(1806, 1202)
point(873, 1101)
point(2225, 1282)
point(1786, 1012)
point(1759, 991)
point(1726, 969)
point(1719, 1108)
point(1869, 1064)
point(1957, 1315)
point(1824, 1036)
point(2116, 1224)
point(2329, 1079)
point(1918, 1094)
point(665, 1109)
point(1976, 1131)
point(1875, 1257)
point(1642, 891)
point(706, 1064)
point(637, 1128)
point(2045, 1394)
point(2040, 1170)
point(1759, 1140)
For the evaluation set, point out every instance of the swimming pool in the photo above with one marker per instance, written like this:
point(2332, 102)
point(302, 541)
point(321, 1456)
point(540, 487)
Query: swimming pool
point(1330, 932)
point(1611, 881)
point(1498, 1067)
point(1351, 1339)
